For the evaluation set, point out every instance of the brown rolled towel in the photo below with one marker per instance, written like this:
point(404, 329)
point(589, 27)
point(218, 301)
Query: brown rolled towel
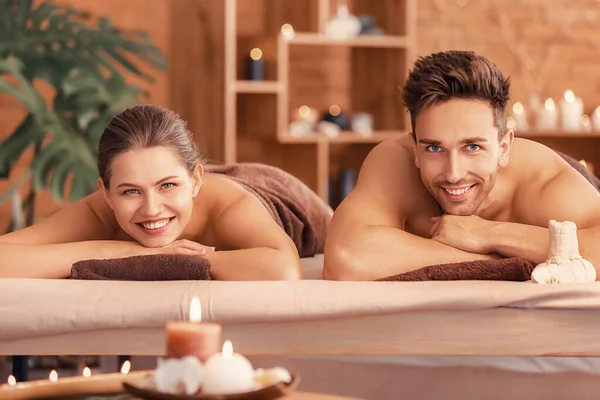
point(302, 214)
point(505, 269)
point(159, 267)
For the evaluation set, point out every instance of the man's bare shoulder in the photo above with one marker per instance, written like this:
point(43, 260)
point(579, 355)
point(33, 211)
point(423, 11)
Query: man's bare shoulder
point(532, 164)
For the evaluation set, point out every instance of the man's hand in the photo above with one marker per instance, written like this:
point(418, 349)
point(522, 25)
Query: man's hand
point(467, 233)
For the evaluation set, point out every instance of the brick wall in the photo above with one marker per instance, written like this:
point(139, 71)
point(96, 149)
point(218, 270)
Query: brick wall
point(546, 46)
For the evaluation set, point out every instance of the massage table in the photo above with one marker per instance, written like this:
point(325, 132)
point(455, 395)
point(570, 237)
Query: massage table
point(512, 326)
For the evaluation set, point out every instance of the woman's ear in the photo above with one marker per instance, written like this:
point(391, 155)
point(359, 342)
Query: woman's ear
point(197, 179)
point(104, 191)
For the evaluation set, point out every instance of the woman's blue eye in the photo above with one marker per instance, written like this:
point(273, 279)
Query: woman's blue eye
point(474, 147)
point(434, 148)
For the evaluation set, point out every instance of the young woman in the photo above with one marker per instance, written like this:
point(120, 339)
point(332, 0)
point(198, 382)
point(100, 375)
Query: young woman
point(154, 198)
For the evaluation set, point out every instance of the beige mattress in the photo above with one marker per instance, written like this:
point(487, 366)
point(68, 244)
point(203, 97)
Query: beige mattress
point(308, 317)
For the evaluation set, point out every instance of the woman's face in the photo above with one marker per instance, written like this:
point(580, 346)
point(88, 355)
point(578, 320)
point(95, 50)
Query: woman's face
point(151, 194)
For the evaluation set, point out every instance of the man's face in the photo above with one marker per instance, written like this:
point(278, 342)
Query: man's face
point(458, 153)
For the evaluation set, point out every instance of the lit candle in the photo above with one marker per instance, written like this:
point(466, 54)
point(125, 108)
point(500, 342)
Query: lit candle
point(227, 372)
point(193, 338)
point(520, 117)
point(547, 118)
point(287, 31)
point(87, 372)
point(571, 110)
point(336, 116)
point(596, 119)
point(586, 125)
point(12, 381)
point(126, 367)
point(256, 65)
point(53, 377)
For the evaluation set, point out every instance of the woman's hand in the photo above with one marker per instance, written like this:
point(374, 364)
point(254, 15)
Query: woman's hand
point(184, 246)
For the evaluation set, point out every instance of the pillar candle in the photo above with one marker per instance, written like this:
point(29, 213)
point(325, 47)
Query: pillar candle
point(520, 117)
point(547, 117)
point(256, 65)
point(596, 119)
point(193, 338)
point(571, 111)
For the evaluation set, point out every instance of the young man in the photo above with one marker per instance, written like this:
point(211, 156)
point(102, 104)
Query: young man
point(459, 187)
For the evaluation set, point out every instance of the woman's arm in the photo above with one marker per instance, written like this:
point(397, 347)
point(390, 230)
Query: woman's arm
point(253, 246)
point(49, 248)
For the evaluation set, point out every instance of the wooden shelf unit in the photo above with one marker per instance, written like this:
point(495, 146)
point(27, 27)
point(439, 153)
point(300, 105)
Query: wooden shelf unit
point(308, 68)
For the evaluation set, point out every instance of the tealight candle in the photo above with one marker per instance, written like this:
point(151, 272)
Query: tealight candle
point(193, 338)
point(227, 372)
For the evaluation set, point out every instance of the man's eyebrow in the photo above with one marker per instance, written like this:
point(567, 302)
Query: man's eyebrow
point(157, 183)
point(430, 142)
point(474, 139)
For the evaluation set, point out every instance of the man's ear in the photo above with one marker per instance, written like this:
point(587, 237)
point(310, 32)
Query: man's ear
point(505, 146)
point(104, 191)
point(197, 176)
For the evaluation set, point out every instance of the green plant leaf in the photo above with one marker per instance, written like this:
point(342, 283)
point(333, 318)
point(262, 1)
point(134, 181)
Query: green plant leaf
point(59, 178)
point(47, 159)
point(26, 135)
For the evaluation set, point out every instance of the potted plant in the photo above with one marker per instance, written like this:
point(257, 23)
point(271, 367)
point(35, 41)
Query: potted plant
point(82, 60)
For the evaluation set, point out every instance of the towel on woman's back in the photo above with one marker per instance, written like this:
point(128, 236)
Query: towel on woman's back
point(296, 208)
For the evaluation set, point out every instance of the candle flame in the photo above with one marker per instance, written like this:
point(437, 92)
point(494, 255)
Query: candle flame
point(256, 53)
point(11, 380)
point(585, 120)
point(569, 96)
point(53, 376)
point(126, 367)
point(518, 108)
point(335, 110)
point(549, 105)
point(195, 310)
point(87, 372)
point(287, 31)
point(304, 111)
point(511, 123)
point(583, 162)
point(597, 111)
point(227, 349)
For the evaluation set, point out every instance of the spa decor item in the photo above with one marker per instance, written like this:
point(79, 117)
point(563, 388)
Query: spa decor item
point(84, 62)
point(256, 65)
point(343, 25)
point(564, 263)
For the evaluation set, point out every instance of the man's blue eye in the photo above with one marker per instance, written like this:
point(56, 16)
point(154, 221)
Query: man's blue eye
point(130, 191)
point(434, 148)
point(474, 147)
point(167, 185)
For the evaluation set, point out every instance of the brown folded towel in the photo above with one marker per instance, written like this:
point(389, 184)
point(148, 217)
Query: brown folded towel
point(292, 204)
point(505, 269)
point(159, 267)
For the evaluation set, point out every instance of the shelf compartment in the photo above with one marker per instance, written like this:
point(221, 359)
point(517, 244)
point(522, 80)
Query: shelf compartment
point(263, 87)
point(376, 41)
point(345, 137)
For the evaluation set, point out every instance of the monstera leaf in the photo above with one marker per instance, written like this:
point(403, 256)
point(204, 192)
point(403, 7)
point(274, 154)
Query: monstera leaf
point(57, 44)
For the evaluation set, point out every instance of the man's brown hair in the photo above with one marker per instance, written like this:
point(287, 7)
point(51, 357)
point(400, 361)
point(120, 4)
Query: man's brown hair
point(443, 76)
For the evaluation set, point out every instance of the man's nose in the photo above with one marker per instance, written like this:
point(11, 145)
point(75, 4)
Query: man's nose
point(455, 170)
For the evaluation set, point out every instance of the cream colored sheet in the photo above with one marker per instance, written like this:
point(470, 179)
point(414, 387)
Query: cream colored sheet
point(306, 317)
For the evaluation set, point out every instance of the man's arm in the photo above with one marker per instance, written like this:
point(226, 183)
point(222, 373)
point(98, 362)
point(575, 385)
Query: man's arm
point(565, 197)
point(366, 239)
